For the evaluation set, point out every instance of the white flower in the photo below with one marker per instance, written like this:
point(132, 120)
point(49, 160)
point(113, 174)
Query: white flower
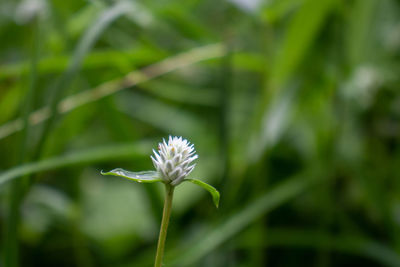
point(173, 159)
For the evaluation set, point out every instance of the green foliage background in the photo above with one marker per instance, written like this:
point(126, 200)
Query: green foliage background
point(293, 107)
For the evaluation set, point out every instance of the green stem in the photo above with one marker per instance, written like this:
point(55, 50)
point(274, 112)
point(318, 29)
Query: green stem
point(19, 187)
point(169, 194)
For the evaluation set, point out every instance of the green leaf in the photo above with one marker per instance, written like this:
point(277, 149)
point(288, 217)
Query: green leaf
point(82, 157)
point(270, 200)
point(300, 35)
point(214, 192)
point(140, 177)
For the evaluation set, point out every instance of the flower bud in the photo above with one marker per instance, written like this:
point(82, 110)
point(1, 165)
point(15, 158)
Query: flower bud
point(173, 160)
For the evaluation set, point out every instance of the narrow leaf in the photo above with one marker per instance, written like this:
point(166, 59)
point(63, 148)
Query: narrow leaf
point(270, 200)
point(300, 35)
point(214, 192)
point(85, 156)
point(140, 177)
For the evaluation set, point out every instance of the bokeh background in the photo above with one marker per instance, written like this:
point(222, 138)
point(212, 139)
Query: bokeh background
point(293, 107)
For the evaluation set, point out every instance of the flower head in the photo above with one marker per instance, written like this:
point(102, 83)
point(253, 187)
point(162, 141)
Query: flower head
point(173, 160)
point(173, 163)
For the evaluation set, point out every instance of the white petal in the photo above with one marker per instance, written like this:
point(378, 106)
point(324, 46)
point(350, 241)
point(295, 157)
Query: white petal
point(165, 144)
point(175, 173)
point(189, 170)
point(185, 163)
point(163, 174)
point(168, 166)
point(178, 180)
point(174, 158)
point(155, 163)
point(158, 158)
point(177, 159)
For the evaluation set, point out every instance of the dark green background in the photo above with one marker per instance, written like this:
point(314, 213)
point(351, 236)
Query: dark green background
point(293, 107)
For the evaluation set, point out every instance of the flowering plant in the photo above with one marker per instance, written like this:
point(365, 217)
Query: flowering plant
point(173, 163)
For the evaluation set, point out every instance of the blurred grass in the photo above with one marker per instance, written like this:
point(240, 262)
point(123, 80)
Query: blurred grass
point(18, 188)
point(234, 224)
point(81, 157)
point(293, 106)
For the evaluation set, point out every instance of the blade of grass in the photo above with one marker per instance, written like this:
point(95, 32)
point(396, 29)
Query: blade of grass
point(17, 188)
point(85, 45)
point(95, 59)
point(97, 154)
point(104, 153)
point(355, 245)
point(361, 21)
point(11, 247)
point(298, 238)
point(301, 33)
point(168, 118)
point(133, 78)
point(284, 192)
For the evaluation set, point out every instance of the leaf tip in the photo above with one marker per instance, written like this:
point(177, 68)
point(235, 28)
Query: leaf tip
point(214, 192)
point(216, 199)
